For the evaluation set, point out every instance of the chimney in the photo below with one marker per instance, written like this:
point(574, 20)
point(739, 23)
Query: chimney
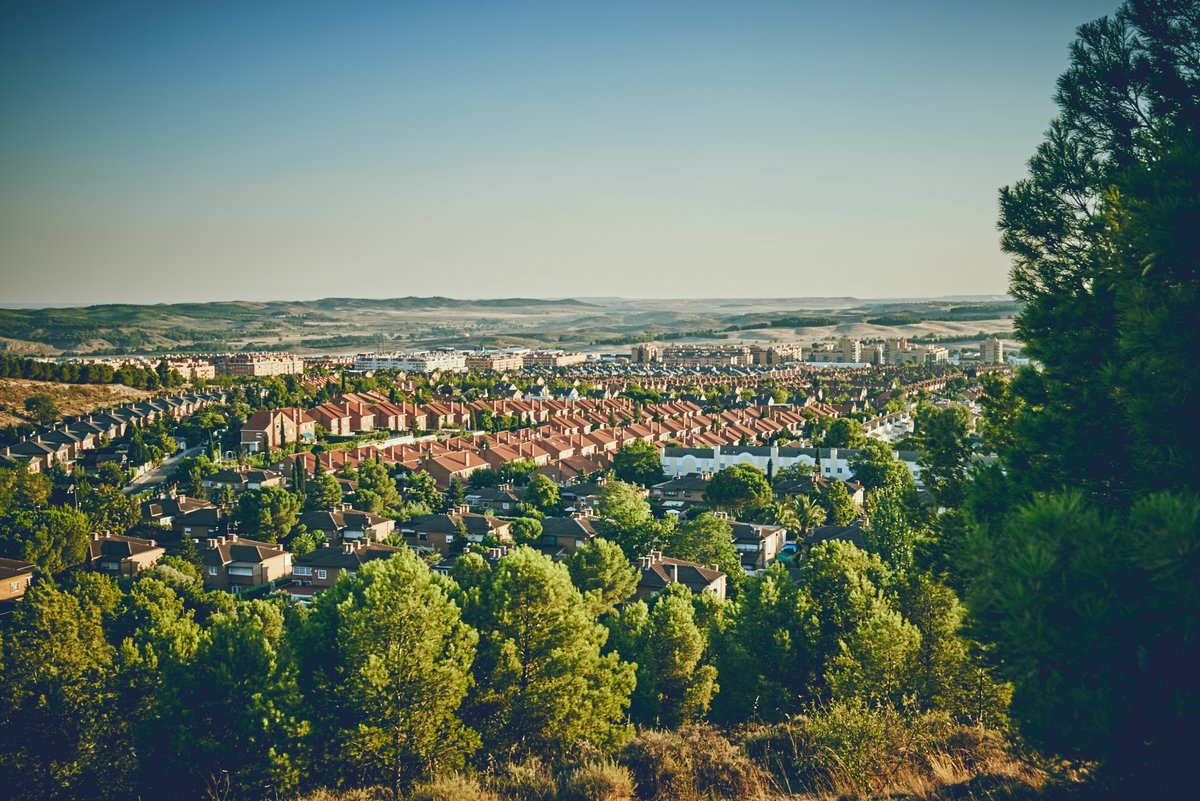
point(212, 542)
point(347, 547)
point(715, 568)
point(233, 537)
point(95, 536)
point(655, 557)
point(221, 540)
point(644, 562)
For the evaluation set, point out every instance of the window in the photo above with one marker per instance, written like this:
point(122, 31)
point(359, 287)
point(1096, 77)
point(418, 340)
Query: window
point(212, 571)
point(422, 536)
point(241, 571)
point(321, 574)
point(14, 586)
point(302, 571)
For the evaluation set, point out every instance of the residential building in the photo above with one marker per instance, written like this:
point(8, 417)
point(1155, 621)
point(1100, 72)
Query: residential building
point(991, 351)
point(552, 359)
point(321, 568)
point(345, 524)
point(422, 362)
point(563, 536)
point(15, 577)
point(758, 544)
point(117, 555)
point(449, 532)
point(236, 565)
point(659, 572)
point(496, 362)
point(259, 364)
point(165, 509)
point(272, 428)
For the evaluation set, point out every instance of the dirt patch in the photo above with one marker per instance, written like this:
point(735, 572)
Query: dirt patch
point(70, 398)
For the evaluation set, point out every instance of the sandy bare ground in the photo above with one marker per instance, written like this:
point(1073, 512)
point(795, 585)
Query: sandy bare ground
point(70, 398)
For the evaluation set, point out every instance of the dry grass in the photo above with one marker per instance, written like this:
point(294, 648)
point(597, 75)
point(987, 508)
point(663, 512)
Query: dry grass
point(597, 781)
point(695, 763)
point(453, 788)
point(70, 398)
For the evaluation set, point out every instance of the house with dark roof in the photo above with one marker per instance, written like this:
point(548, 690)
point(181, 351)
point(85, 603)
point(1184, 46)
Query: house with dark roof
point(582, 496)
point(687, 489)
point(446, 533)
point(563, 536)
point(118, 555)
point(15, 577)
point(344, 523)
point(321, 568)
point(236, 565)
point(852, 533)
point(758, 544)
point(502, 499)
point(659, 572)
point(199, 524)
point(164, 509)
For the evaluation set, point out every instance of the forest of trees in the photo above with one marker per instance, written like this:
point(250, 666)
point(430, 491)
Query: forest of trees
point(131, 375)
point(1047, 597)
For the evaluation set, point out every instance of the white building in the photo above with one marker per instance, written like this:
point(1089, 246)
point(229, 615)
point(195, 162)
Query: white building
point(834, 462)
point(424, 362)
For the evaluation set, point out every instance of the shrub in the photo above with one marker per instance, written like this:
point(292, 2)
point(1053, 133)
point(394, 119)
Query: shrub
point(597, 781)
point(851, 749)
point(452, 788)
point(695, 762)
point(357, 794)
point(530, 780)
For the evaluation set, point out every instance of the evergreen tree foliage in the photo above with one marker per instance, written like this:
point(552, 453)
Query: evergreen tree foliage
point(707, 540)
point(874, 466)
point(674, 686)
point(385, 663)
point(544, 687)
point(1064, 551)
point(234, 710)
point(270, 513)
point(638, 463)
point(373, 477)
point(838, 505)
point(322, 493)
point(601, 572)
point(53, 539)
point(738, 489)
point(55, 700)
point(542, 494)
point(625, 519)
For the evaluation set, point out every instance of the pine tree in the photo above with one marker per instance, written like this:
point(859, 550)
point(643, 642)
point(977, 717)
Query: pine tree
point(602, 573)
point(386, 663)
point(543, 685)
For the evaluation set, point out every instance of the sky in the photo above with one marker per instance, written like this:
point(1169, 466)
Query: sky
point(191, 151)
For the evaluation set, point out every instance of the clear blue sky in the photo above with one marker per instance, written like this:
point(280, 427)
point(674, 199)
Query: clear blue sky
point(168, 151)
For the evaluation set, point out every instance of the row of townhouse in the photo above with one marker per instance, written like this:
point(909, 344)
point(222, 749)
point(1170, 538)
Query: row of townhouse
point(67, 441)
point(352, 413)
point(565, 448)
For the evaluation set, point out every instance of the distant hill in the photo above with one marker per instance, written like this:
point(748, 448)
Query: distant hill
point(350, 325)
point(130, 328)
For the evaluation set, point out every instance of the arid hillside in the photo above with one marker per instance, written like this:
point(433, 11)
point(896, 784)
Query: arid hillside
point(70, 398)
